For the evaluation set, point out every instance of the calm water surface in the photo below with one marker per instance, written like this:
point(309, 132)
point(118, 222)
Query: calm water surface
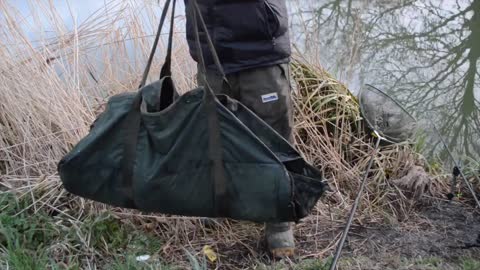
point(423, 53)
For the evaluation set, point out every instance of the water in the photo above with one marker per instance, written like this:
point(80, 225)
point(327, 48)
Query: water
point(423, 53)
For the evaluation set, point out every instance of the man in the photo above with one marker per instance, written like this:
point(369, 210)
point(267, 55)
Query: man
point(252, 41)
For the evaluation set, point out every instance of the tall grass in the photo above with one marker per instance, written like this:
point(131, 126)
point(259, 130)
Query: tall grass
point(52, 87)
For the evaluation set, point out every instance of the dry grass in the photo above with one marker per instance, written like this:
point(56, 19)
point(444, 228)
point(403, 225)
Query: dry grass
point(332, 134)
point(52, 88)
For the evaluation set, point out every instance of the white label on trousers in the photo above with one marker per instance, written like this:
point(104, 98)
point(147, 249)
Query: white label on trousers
point(269, 97)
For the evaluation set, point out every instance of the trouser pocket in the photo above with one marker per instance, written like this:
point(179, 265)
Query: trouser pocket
point(266, 91)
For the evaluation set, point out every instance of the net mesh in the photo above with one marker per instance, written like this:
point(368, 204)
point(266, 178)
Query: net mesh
point(385, 115)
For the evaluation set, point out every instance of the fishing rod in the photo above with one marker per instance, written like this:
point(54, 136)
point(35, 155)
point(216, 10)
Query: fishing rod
point(453, 184)
point(355, 205)
point(456, 171)
point(382, 115)
point(390, 122)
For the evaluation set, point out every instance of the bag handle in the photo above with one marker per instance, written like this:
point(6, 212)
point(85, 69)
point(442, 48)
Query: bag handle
point(155, 43)
point(166, 70)
point(133, 118)
point(197, 16)
point(215, 149)
point(131, 123)
point(167, 92)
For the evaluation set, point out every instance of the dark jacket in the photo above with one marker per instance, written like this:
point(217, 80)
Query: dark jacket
point(246, 33)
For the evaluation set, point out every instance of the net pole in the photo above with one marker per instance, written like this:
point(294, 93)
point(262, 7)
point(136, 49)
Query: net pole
point(355, 205)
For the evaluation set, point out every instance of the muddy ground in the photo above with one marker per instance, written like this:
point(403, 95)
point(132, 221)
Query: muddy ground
point(437, 236)
point(442, 235)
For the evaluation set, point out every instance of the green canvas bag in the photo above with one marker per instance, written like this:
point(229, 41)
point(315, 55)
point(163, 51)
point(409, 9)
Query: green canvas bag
point(197, 154)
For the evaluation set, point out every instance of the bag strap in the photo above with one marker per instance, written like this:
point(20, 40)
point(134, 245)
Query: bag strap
point(131, 123)
point(166, 70)
point(215, 152)
point(155, 43)
point(168, 93)
point(211, 47)
point(133, 118)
